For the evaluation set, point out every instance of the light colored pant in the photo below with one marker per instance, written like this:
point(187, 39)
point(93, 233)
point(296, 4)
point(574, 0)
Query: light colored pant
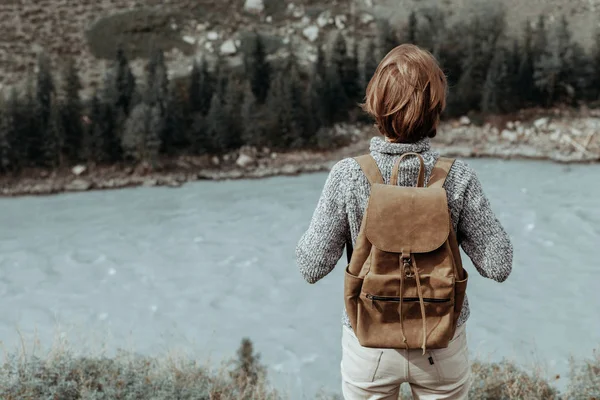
point(376, 374)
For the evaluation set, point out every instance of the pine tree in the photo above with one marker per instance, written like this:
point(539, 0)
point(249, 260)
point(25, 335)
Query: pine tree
point(215, 126)
point(257, 68)
point(317, 94)
point(253, 127)
point(347, 71)
point(141, 139)
point(320, 67)
point(123, 84)
point(430, 33)
point(545, 65)
point(549, 64)
point(157, 83)
point(279, 110)
point(201, 88)
point(594, 84)
point(15, 123)
point(55, 137)
point(482, 36)
point(93, 146)
point(387, 37)
point(177, 123)
point(352, 78)
point(525, 81)
point(369, 66)
point(496, 96)
point(411, 31)
point(232, 99)
point(157, 96)
point(198, 135)
point(335, 101)
point(72, 113)
point(43, 146)
point(6, 153)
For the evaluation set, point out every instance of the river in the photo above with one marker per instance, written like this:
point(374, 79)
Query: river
point(198, 268)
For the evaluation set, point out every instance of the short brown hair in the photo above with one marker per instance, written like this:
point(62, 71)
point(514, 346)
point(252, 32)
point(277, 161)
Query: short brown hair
point(407, 94)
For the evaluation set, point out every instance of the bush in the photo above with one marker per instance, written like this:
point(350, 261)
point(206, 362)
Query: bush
point(63, 375)
point(138, 31)
point(584, 382)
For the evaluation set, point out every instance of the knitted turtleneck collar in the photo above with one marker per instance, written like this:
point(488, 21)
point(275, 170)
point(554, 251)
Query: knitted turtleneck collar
point(380, 145)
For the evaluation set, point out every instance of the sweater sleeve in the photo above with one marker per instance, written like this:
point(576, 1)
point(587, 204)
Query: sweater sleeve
point(322, 245)
point(481, 235)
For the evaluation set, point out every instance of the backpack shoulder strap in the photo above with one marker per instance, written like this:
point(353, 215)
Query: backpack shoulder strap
point(370, 169)
point(440, 172)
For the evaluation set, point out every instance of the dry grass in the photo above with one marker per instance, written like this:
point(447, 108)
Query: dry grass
point(62, 374)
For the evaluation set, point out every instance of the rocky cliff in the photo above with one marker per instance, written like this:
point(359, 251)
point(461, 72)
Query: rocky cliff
point(90, 30)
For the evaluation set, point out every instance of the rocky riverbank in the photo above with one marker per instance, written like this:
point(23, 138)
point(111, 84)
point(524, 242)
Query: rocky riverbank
point(560, 136)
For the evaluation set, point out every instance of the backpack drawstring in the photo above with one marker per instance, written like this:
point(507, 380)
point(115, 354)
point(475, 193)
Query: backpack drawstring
point(407, 267)
point(422, 304)
point(400, 305)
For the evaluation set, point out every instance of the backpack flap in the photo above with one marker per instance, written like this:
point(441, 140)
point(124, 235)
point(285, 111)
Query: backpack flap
point(407, 219)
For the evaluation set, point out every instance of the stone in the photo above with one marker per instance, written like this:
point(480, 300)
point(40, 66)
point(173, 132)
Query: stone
point(269, 19)
point(290, 169)
point(464, 120)
point(340, 21)
point(78, 185)
point(212, 35)
point(215, 160)
point(540, 123)
point(201, 27)
point(208, 46)
point(254, 6)
point(228, 47)
point(189, 39)
point(311, 33)
point(366, 18)
point(78, 170)
point(172, 182)
point(509, 135)
point(305, 20)
point(150, 182)
point(510, 125)
point(576, 132)
point(298, 13)
point(324, 19)
point(369, 3)
point(555, 136)
point(244, 161)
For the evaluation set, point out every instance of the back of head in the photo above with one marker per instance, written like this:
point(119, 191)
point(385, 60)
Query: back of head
point(407, 94)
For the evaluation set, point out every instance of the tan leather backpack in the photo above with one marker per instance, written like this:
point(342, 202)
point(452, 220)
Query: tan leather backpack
point(405, 285)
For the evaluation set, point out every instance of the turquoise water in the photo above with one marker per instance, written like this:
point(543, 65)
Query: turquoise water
point(199, 267)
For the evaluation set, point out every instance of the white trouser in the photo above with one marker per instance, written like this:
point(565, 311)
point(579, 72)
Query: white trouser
point(376, 374)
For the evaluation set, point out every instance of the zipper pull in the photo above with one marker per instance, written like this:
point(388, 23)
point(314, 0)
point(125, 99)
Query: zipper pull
point(431, 360)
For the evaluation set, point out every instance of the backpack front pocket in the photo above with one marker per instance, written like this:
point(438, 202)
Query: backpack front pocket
point(352, 289)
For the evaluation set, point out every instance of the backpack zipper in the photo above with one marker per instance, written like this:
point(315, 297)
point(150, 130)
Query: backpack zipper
point(406, 299)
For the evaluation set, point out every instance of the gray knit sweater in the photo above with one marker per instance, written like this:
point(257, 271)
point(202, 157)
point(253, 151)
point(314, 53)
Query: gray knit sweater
point(344, 198)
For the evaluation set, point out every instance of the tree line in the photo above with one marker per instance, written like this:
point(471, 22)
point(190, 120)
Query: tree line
point(284, 105)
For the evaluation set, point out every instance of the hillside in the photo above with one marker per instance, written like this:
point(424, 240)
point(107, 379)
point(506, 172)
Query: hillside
point(89, 30)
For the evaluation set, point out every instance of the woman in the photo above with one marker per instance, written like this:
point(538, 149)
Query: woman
point(406, 96)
